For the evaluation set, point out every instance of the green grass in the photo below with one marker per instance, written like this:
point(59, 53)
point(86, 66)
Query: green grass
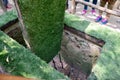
point(7, 16)
point(18, 60)
point(107, 67)
point(44, 22)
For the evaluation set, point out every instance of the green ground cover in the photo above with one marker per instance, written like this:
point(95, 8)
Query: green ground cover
point(107, 66)
point(17, 60)
point(7, 16)
point(44, 22)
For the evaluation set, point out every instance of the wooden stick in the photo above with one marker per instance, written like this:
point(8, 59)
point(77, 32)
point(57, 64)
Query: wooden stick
point(85, 36)
point(73, 7)
point(24, 31)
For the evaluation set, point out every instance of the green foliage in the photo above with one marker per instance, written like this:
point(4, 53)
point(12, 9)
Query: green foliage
point(76, 22)
point(44, 22)
point(7, 16)
point(20, 61)
point(107, 67)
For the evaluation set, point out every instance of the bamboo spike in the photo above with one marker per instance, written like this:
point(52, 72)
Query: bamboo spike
point(24, 31)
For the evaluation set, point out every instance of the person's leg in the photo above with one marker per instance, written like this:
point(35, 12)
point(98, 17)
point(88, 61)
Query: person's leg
point(7, 5)
point(109, 6)
point(93, 9)
point(94, 2)
point(102, 4)
point(5, 2)
point(117, 4)
point(85, 8)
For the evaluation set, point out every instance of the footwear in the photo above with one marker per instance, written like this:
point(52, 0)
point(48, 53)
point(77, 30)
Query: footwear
point(84, 12)
point(99, 18)
point(93, 12)
point(104, 21)
point(9, 6)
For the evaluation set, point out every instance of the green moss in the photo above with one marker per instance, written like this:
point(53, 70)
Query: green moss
point(7, 16)
point(44, 22)
point(20, 61)
point(107, 67)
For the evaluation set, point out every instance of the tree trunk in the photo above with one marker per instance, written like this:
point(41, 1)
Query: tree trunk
point(43, 20)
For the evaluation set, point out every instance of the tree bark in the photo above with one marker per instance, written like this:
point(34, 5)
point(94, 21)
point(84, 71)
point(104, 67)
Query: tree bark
point(43, 20)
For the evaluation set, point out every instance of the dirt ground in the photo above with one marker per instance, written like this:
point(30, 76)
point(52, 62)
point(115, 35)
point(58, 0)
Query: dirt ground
point(59, 64)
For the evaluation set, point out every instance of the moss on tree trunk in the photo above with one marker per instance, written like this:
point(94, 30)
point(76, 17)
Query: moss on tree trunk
point(44, 22)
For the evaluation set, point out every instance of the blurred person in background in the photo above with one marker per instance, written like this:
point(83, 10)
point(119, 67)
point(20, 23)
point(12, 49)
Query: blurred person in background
point(110, 5)
point(6, 4)
point(86, 7)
